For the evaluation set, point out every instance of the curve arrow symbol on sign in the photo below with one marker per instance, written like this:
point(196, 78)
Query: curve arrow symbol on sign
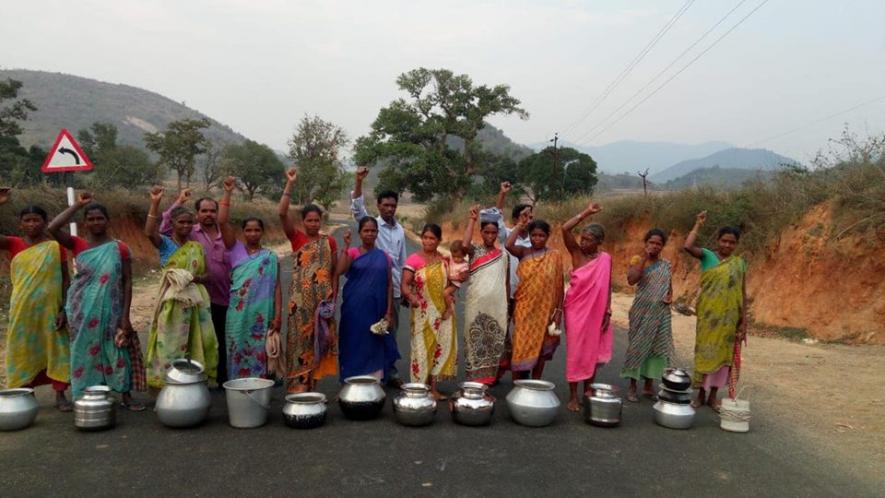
point(65, 150)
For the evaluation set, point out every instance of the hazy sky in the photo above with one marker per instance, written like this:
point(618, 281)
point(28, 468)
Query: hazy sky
point(259, 66)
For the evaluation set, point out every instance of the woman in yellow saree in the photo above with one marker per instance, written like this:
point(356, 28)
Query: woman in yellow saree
point(721, 312)
point(182, 324)
point(37, 344)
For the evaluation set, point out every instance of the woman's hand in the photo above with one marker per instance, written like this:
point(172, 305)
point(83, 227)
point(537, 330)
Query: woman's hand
point(121, 338)
point(85, 198)
point(275, 326)
point(701, 218)
point(291, 175)
point(592, 208)
point(474, 212)
point(184, 196)
point(347, 238)
point(668, 299)
point(157, 193)
point(413, 300)
point(61, 319)
point(229, 184)
point(742, 330)
point(523, 221)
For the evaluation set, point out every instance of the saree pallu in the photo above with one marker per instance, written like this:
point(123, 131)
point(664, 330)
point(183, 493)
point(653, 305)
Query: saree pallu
point(433, 341)
point(364, 303)
point(251, 310)
point(95, 310)
point(587, 344)
point(719, 311)
point(311, 285)
point(650, 345)
point(33, 344)
point(485, 307)
point(182, 324)
point(538, 295)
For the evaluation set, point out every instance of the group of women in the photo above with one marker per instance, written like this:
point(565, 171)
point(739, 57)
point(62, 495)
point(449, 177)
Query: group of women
point(521, 334)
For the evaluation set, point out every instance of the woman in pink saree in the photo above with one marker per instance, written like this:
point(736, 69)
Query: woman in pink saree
point(588, 329)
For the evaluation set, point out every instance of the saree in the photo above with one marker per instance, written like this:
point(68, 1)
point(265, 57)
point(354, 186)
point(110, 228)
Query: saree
point(538, 295)
point(182, 324)
point(308, 350)
point(364, 303)
point(434, 342)
point(718, 312)
point(250, 313)
point(485, 313)
point(587, 344)
point(650, 337)
point(95, 309)
point(32, 342)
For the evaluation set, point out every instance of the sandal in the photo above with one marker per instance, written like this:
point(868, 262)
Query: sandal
point(132, 406)
point(631, 397)
point(64, 406)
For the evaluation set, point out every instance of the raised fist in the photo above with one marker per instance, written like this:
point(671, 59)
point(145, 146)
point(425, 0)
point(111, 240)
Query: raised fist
point(291, 175)
point(506, 186)
point(85, 198)
point(361, 173)
point(157, 193)
point(702, 217)
point(184, 196)
point(229, 183)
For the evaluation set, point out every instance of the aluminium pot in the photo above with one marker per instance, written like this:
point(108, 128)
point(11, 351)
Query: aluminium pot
point(472, 404)
point(673, 415)
point(414, 405)
point(533, 402)
point(676, 379)
point(96, 410)
point(184, 400)
point(305, 410)
point(361, 398)
point(604, 406)
point(673, 396)
point(18, 408)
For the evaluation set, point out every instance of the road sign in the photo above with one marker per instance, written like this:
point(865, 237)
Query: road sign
point(66, 155)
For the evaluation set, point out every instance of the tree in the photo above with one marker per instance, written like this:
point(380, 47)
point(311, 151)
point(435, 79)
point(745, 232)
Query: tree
point(16, 111)
point(427, 144)
point(179, 146)
point(573, 173)
point(315, 148)
point(116, 165)
point(211, 166)
point(17, 165)
point(255, 164)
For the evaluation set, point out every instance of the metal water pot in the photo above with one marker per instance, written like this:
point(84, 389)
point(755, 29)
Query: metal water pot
point(472, 404)
point(95, 410)
point(361, 398)
point(674, 415)
point(604, 406)
point(184, 401)
point(305, 410)
point(676, 379)
point(533, 402)
point(18, 408)
point(414, 405)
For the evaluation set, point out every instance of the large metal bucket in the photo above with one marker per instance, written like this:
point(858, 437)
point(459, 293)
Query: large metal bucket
point(247, 401)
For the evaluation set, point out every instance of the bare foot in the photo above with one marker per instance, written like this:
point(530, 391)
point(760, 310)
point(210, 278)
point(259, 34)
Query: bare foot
point(697, 403)
point(631, 395)
point(63, 405)
point(438, 395)
point(714, 403)
point(574, 405)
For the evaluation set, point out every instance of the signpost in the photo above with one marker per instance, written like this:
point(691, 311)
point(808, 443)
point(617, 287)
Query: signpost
point(67, 156)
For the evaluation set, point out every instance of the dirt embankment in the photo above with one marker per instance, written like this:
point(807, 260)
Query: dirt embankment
point(807, 279)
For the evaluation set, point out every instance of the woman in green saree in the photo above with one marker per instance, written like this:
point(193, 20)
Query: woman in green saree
point(182, 324)
point(721, 311)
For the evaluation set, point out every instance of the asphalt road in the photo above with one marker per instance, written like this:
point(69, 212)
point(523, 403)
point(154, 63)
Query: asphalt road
point(381, 458)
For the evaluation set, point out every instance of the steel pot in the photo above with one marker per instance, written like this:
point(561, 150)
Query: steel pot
point(604, 406)
point(184, 401)
point(533, 402)
point(18, 408)
point(676, 379)
point(361, 398)
point(674, 415)
point(472, 404)
point(674, 396)
point(96, 410)
point(305, 410)
point(414, 405)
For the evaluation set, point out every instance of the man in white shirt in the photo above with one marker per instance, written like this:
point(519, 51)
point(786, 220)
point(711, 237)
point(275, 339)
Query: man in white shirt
point(392, 240)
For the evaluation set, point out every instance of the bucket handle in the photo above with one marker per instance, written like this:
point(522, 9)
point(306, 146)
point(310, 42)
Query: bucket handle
point(741, 391)
point(259, 403)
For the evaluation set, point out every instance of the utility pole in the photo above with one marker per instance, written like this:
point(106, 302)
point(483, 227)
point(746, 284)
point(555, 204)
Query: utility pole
point(643, 175)
point(555, 141)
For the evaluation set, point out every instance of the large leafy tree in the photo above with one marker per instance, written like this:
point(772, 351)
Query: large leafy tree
point(557, 174)
point(427, 143)
point(315, 148)
point(116, 165)
point(179, 146)
point(256, 165)
point(17, 164)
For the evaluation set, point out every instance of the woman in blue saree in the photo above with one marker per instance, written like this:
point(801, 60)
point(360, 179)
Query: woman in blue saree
point(368, 271)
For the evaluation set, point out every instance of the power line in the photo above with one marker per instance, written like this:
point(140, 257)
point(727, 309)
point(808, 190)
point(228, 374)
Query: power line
point(816, 121)
point(636, 60)
point(671, 78)
point(662, 71)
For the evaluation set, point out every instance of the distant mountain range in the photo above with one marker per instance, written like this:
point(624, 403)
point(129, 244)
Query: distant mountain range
point(725, 178)
point(628, 156)
point(72, 102)
point(729, 159)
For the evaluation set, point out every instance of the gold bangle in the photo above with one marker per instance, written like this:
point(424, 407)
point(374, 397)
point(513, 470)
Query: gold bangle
point(151, 215)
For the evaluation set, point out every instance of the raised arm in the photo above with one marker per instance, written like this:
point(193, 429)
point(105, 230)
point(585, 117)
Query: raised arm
point(64, 218)
point(277, 322)
point(283, 208)
point(5, 193)
point(690, 246)
point(567, 236)
point(150, 225)
point(502, 194)
point(357, 202)
point(228, 233)
point(510, 245)
point(344, 260)
point(468, 230)
point(166, 221)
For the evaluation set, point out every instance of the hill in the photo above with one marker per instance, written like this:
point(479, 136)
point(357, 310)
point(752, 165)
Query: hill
point(734, 158)
point(73, 102)
point(628, 156)
point(723, 178)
